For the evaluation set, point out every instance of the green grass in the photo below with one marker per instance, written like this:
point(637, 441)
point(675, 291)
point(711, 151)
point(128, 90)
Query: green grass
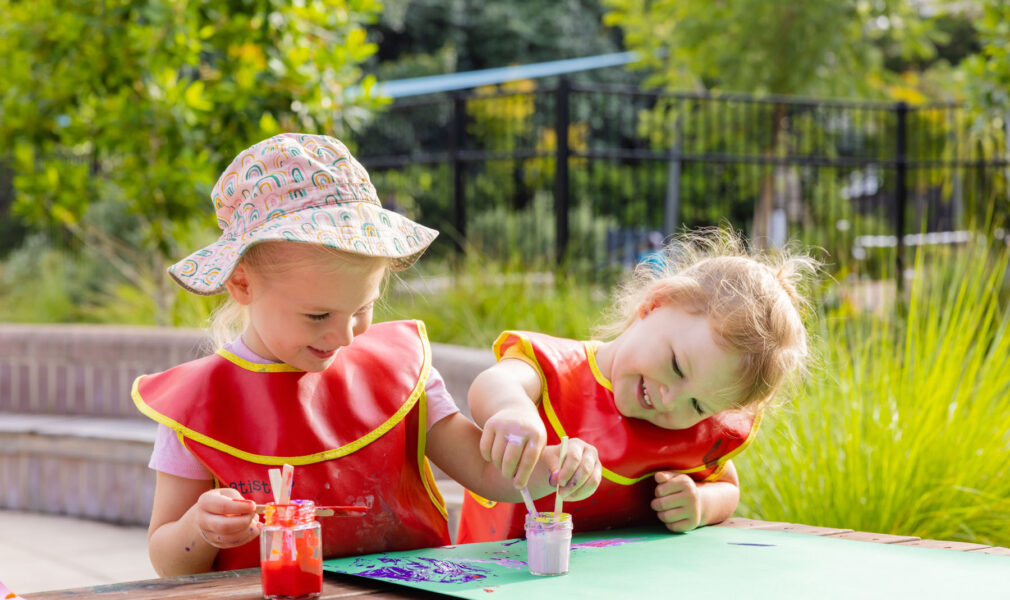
point(904, 425)
point(485, 297)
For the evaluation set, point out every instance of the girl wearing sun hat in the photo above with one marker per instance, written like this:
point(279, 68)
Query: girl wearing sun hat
point(356, 408)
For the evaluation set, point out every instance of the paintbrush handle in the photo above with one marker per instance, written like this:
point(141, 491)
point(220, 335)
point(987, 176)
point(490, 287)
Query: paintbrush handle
point(557, 490)
point(328, 511)
point(529, 502)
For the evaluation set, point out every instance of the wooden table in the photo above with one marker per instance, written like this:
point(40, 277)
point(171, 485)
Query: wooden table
point(232, 585)
point(245, 584)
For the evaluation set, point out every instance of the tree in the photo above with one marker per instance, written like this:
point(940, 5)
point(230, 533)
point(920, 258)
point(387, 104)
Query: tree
point(990, 69)
point(430, 37)
point(816, 47)
point(141, 104)
point(989, 90)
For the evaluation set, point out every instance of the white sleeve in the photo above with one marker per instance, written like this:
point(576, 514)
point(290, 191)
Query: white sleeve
point(440, 402)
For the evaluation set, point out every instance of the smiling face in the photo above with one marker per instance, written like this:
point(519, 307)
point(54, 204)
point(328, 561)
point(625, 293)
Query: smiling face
point(304, 313)
point(667, 368)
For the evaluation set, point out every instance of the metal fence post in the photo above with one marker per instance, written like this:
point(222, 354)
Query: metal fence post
point(561, 121)
point(456, 138)
point(900, 189)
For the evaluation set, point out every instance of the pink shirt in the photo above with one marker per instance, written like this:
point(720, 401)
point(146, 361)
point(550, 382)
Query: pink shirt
point(170, 456)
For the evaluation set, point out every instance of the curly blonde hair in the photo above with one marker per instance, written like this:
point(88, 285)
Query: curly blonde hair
point(274, 259)
point(751, 299)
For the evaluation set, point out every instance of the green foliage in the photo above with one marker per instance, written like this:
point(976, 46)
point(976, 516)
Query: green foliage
point(815, 47)
point(989, 71)
point(902, 426)
point(33, 285)
point(431, 37)
point(40, 283)
point(483, 297)
point(144, 103)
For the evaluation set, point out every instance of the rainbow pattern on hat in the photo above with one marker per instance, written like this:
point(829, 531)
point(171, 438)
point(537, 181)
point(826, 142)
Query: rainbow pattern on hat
point(264, 195)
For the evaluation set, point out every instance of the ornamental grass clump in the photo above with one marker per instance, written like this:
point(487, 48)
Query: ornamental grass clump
point(903, 426)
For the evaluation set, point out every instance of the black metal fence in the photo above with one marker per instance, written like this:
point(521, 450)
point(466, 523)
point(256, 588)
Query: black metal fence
point(596, 173)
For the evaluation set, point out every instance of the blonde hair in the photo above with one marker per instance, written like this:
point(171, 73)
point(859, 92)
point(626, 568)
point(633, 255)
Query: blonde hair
point(751, 300)
point(274, 259)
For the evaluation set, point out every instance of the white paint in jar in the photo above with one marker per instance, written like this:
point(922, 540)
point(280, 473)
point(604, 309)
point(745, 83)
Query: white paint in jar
point(548, 543)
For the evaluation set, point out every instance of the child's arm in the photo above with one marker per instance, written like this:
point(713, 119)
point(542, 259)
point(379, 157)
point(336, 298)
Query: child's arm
point(453, 445)
point(503, 401)
point(684, 505)
point(191, 520)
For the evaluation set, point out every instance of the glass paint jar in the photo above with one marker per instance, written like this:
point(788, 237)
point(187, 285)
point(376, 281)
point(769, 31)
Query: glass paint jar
point(291, 554)
point(548, 543)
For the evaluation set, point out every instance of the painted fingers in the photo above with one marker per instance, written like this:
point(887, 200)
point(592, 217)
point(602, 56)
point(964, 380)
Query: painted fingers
point(513, 443)
point(581, 472)
point(225, 519)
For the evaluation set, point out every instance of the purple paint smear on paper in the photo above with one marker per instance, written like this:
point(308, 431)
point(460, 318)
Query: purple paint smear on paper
point(606, 543)
point(424, 570)
point(748, 544)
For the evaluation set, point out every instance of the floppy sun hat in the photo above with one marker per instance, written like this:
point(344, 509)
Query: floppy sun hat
point(298, 188)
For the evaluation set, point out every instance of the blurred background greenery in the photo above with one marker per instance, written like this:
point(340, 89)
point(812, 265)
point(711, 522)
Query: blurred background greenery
point(116, 117)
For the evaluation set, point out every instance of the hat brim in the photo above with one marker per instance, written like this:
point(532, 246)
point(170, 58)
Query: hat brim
point(361, 228)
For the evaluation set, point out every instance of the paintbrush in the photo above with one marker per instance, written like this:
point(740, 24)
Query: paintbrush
point(328, 511)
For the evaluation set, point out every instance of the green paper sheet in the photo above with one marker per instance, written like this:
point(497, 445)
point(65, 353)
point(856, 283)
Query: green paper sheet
point(711, 562)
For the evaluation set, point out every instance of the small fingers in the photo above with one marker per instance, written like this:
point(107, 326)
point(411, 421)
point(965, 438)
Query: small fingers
point(580, 474)
point(679, 520)
point(514, 447)
point(224, 531)
point(226, 519)
point(672, 483)
point(498, 450)
point(487, 438)
point(526, 465)
point(677, 502)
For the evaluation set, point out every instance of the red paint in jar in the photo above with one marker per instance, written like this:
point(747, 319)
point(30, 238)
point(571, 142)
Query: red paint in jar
point(290, 553)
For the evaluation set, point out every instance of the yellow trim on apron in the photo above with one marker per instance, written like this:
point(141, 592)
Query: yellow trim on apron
point(427, 478)
point(261, 459)
point(559, 430)
point(257, 367)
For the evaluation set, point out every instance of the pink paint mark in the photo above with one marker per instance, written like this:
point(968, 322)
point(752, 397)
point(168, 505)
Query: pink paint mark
point(607, 543)
point(490, 589)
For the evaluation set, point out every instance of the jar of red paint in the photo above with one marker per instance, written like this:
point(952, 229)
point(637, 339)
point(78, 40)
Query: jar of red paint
point(291, 554)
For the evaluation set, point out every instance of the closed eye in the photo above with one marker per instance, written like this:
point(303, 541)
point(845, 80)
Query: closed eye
point(676, 367)
point(697, 407)
point(319, 317)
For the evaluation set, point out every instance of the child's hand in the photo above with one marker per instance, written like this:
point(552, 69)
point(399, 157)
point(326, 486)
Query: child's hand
point(677, 502)
point(512, 441)
point(581, 472)
point(225, 519)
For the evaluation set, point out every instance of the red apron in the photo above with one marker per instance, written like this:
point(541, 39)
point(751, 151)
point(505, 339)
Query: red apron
point(578, 401)
point(355, 432)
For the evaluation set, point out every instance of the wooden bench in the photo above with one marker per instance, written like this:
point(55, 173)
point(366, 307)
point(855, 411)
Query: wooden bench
point(74, 444)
